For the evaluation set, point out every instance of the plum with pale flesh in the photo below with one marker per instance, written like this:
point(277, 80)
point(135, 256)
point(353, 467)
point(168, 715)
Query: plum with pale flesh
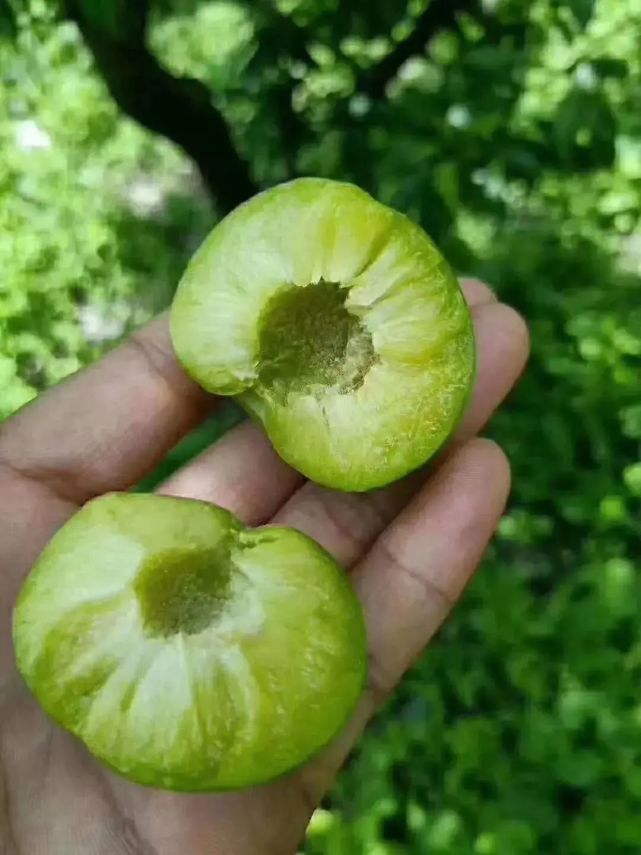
point(334, 321)
point(187, 651)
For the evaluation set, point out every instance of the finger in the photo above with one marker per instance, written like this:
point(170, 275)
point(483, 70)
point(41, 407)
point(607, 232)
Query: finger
point(107, 426)
point(418, 567)
point(347, 523)
point(241, 472)
point(501, 334)
point(414, 574)
point(477, 293)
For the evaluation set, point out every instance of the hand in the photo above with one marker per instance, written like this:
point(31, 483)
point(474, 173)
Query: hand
point(410, 550)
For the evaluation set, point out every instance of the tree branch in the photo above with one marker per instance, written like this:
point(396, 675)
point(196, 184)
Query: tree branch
point(179, 108)
point(439, 15)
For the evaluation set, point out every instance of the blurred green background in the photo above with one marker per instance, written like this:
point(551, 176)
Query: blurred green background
point(512, 131)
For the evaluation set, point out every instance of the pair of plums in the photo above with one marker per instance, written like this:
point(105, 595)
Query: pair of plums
point(184, 649)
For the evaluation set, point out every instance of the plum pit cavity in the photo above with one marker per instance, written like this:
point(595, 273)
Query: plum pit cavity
point(182, 590)
point(309, 342)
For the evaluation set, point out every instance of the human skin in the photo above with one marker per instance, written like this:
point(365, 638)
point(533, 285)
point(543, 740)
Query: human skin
point(410, 548)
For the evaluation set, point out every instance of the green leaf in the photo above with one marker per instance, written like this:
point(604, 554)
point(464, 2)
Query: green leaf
point(585, 130)
point(611, 67)
point(8, 23)
point(582, 10)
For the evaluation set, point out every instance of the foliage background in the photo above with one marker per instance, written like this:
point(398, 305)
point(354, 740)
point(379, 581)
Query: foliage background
point(512, 131)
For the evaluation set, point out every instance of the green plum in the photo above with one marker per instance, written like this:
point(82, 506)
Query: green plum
point(185, 650)
point(336, 323)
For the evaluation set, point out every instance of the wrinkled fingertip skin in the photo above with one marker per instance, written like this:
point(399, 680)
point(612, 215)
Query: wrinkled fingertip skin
point(188, 652)
point(352, 413)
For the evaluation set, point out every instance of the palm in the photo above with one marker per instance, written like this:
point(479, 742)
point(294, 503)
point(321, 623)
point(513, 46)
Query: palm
point(410, 549)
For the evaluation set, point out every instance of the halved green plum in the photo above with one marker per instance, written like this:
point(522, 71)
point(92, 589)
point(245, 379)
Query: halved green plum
point(337, 323)
point(185, 650)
